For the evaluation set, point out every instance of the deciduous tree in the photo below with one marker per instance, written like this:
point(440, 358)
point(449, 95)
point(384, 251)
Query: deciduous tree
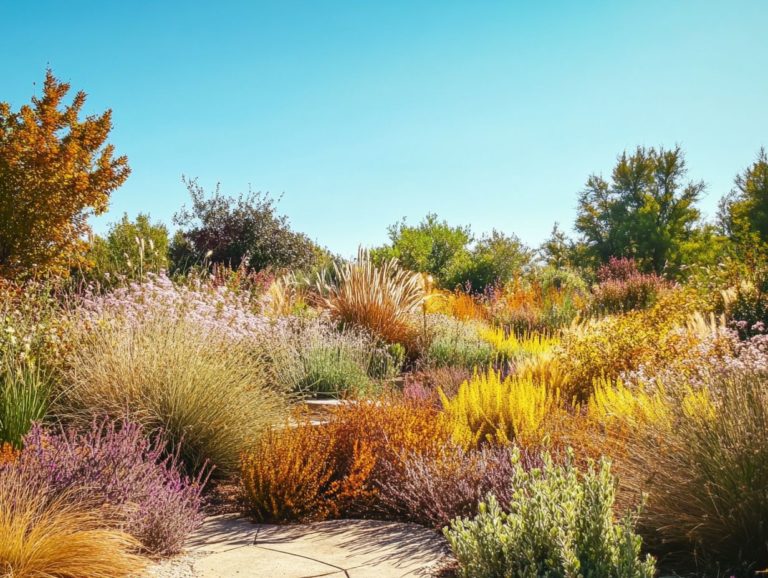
point(56, 170)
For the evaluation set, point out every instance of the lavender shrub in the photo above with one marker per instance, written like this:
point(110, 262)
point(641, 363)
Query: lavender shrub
point(114, 464)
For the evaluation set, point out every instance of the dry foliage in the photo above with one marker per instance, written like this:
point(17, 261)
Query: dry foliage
point(60, 537)
point(381, 299)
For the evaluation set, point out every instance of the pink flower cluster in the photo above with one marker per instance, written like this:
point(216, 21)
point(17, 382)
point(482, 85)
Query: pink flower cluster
point(211, 308)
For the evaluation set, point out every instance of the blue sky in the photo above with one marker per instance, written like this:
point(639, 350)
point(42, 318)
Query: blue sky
point(359, 113)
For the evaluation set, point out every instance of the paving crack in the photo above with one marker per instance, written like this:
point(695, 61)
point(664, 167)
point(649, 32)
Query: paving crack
point(339, 568)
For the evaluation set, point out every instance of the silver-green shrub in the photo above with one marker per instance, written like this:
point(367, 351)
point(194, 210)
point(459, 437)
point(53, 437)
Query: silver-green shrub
point(559, 524)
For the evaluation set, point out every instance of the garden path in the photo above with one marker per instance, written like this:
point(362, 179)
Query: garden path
point(230, 546)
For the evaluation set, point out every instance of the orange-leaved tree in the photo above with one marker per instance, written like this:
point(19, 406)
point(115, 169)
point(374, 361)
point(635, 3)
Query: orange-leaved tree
point(55, 171)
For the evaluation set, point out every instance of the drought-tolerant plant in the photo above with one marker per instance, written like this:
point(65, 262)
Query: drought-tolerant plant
point(24, 397)
point(453, 342)
point(312, 356)
point(60, 537)
point(560, 523)
point(512, 348)
point(706, 479)
point(113, 463)
point(44, 210)
point(380, 298)
point(434, 487)
point(297, 473)
point(617, 345)
point(423, 385)
point(205, 390)
point(622, 287)
point(488, 408)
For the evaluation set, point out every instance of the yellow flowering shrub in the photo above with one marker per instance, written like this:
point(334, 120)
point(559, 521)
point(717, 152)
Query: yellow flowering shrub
point(511, 347)
point(488, 408)
point(615, 345)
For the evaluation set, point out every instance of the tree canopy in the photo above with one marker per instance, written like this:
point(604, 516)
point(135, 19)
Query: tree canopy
point(56, 170)
point(236, 231)
point(646, 212)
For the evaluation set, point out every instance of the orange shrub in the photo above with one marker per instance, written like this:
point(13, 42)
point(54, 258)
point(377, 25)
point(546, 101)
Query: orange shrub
point(8, 453)
point(332, 469)
point(293, 474)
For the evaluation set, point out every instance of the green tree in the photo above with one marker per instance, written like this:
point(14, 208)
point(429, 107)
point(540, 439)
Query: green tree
point(557, 250)
point(646, 212)
point(432, 246)
point(236, 231)
point(130, 249)
point(743, 214)
point(56, 170)
point(494, 258)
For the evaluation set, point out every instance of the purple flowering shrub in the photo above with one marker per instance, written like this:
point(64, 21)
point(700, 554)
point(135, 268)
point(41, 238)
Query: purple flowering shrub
point(622, 287)
point(113, 463)
point(434, 488)
point(212, 308)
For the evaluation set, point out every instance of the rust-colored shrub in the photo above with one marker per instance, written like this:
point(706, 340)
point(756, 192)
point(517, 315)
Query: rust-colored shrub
point(329, 470)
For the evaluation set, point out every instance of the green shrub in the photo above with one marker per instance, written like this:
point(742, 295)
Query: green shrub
point(312, 356)
point(453, 342)
point(559, 524)
point(24, 398)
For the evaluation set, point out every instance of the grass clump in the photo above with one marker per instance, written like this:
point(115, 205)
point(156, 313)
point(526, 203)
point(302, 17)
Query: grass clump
point(25, 392)
point(62, 537)
point(488, 408)
point(206, 392)
point(380, 299)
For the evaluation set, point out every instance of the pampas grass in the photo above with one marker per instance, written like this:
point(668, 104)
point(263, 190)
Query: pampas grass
point(381, 299)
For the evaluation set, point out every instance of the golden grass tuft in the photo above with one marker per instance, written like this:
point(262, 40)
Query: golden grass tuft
point(488, 408)
point(59, 538)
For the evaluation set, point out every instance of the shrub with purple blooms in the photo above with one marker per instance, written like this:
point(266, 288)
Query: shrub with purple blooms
point(434, 488)
point(114, 464)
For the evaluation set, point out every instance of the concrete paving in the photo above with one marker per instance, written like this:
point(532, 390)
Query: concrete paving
point(230, 546)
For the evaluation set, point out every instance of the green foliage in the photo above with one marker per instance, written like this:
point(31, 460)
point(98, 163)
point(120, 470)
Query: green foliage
point(235, 231)
point(645, 212)
point(743, 213)
point(130, 250)
point(559, 523)
point(432, 247)
point(456, 343)
point(24, 398)
point(557, 250)
point(494, 258)
point(452, 255)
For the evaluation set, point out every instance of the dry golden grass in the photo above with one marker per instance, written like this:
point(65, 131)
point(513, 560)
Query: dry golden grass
point(59, 538)
point(382, 299)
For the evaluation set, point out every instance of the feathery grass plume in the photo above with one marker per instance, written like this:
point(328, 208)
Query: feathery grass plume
point(381, 299)
point(488, 408)
point(206, 391)
point(61, 537)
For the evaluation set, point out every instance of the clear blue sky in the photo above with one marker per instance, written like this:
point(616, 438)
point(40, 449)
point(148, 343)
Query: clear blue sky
point(489, 113)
